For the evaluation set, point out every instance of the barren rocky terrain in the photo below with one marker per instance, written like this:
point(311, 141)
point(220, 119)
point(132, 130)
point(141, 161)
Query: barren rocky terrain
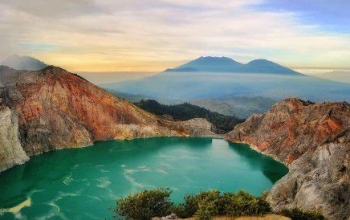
point(314, 140)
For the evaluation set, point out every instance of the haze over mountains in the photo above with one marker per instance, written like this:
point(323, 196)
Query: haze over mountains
point(209, 78)
point(338, 76)
point(219, 84)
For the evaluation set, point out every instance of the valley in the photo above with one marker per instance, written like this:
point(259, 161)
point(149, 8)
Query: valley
point(52, 109)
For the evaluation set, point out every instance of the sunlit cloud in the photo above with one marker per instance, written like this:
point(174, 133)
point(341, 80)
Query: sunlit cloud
point(152, 35)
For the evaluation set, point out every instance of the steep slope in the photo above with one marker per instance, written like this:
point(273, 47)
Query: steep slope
point(23, 63)
point(313, 138)
point(318, 180)
point(57, 109)
point(292, 127)
point(266, 66)
point(11, 151)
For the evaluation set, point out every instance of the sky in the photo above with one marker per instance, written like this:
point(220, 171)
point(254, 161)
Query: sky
point(152, 35)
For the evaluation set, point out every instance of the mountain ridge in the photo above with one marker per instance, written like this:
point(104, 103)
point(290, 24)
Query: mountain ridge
point(225, 64)
point(185, 111)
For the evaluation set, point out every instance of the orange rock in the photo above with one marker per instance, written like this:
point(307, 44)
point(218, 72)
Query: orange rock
point(293, 127)
point(58, 109)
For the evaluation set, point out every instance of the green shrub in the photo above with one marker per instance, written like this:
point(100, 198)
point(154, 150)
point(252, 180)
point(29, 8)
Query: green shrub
point(208, 204)
point(243, 203)
point(186, 209)
point(206, 209)
point(298, 214)
point(144, 205)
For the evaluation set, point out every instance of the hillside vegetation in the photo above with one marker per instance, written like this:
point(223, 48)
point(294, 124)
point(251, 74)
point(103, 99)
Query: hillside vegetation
point(186, 111)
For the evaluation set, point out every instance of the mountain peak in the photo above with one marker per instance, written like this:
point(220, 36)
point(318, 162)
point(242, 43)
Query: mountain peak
point(260, 61)
point(214, 59)
point(267, 66)
point(23, 63)
point(208, 64)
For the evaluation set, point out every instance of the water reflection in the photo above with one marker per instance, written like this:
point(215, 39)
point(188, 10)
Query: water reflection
point(269, 167)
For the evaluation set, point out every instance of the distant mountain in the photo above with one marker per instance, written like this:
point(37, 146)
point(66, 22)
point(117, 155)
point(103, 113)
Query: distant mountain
point(208, 64)
point(209, 85)
point(266, 66)
point(184, 69)
point(201, 86)
point(23, 63)
point(228, 65)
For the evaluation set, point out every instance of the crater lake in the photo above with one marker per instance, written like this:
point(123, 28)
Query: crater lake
point(84, 183)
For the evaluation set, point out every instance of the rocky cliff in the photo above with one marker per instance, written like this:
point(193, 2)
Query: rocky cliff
point(11, 151)
point(313, 139)
point(292, 127)
point(57, 109)
point(318, 181)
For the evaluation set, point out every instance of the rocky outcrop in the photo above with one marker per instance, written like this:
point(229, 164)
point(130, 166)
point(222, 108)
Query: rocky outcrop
point(318, 181)
point(313, 139)
point(57, 109)
point(198, 127)
point(11, 151)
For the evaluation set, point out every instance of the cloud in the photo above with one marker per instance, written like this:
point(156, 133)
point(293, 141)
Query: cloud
point(156, 34)
point(53, 8)
point(331, 14)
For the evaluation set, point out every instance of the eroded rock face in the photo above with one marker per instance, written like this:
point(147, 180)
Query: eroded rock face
point(11, 151)
point(318, 180)
point(57, 109)
point(292, 127)
point(314, 140)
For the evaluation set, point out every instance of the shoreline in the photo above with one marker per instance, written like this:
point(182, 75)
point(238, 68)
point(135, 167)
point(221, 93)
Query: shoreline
point(215, 136)
point(255, 148)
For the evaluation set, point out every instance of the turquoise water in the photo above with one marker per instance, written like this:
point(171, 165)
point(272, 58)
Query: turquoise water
point(84, 183)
